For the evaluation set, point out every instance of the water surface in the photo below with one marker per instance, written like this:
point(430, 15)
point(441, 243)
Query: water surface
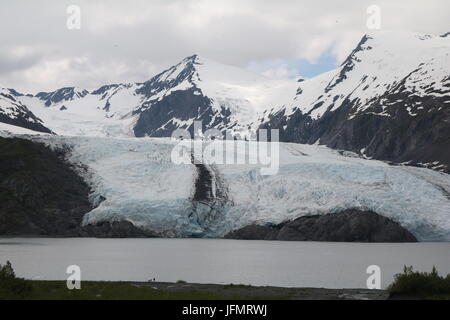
point(276, 263)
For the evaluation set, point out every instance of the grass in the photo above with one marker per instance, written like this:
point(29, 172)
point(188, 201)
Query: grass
point(105, 290)
point(424, 285)
point(14, 288)
point(234, 286)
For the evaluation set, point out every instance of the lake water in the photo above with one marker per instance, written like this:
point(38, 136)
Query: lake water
point(276, 263)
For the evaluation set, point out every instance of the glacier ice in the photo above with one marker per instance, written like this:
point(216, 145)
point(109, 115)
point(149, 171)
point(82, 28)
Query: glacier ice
point(140, 184)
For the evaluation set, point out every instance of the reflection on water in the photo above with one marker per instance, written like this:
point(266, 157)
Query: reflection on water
point(19, 243)
point(292, 264)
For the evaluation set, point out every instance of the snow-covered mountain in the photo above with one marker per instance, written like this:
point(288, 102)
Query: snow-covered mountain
point(390, 100)
point(13, 112)
point(223, 97)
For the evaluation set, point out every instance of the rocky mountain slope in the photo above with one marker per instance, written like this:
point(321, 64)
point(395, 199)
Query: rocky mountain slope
point(390, 100)
point(13, 112)
point(39, 192)
point(42, 194)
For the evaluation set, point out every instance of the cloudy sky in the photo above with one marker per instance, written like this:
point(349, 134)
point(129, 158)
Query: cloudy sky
point(128, 41)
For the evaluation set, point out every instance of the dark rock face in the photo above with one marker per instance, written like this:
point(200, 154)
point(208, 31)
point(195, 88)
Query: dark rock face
point(155, 121)
point(103, 89)
point(63, 94)
point(350, 225)
point(254, 232)
point(160, 117)
point(116, 229)
point(400, 137)
point(42, 195)
point(397, 136)
point(39, 192)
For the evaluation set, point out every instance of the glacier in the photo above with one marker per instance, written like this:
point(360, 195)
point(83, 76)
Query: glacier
point(134, 179)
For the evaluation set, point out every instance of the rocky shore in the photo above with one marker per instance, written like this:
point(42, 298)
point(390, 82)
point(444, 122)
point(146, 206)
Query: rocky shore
point(351, 225)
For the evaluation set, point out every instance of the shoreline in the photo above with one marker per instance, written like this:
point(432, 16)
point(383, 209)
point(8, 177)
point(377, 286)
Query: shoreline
point(181, 290)
point(7, 236)
point(289, 293)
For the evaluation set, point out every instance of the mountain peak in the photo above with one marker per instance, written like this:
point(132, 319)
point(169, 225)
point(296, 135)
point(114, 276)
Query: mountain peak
point(359, 47)
point(62, 94)
point(171, 77)
point(192, 59)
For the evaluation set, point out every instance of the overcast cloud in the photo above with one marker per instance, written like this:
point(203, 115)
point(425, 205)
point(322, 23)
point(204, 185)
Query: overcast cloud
point(128, 41)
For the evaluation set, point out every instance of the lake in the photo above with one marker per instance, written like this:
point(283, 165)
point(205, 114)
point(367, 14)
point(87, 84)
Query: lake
point(275, 263)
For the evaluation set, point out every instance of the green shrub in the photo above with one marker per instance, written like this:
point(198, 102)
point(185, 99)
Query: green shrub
point(12, 287)
point(424, 284)
point(7, 272)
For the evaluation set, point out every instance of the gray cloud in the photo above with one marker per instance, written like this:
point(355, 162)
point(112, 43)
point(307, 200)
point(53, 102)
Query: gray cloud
point(132, 40)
